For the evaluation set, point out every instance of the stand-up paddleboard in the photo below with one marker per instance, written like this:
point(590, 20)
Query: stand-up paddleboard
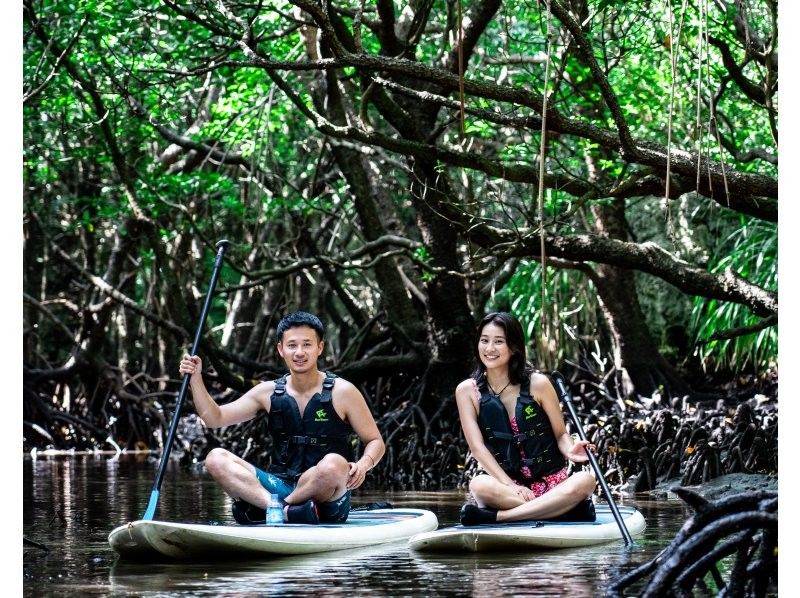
point(150, 538)
point(530, 535)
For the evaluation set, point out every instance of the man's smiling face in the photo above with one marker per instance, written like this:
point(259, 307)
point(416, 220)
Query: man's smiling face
point(300, 348)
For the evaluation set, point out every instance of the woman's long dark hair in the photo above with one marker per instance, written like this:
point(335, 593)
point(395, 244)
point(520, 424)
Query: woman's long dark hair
point(519, 369)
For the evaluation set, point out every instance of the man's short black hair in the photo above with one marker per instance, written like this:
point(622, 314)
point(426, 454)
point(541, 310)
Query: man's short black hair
point(300, 318)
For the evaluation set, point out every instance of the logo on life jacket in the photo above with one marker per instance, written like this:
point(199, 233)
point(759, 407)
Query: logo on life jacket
point(529, 412)
point(321, 415)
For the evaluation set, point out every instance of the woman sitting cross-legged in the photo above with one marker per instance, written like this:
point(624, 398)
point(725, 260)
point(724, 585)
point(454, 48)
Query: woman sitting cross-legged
point(513, 425)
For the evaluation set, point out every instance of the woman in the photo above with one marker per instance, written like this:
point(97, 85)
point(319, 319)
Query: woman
point(513, 425)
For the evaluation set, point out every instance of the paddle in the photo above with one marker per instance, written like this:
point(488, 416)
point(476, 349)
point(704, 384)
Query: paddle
point(565, 396)
point(151, 506)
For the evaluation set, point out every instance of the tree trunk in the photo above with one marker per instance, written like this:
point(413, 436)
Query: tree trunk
point(450, 322)
point(636, 356)
point(365, 188)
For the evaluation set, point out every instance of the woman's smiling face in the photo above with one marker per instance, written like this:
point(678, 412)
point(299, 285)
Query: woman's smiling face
point(492, 347)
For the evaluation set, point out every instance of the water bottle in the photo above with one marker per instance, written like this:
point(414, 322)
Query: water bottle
point(274, 511)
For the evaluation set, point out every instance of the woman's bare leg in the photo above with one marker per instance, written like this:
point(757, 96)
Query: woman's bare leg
point(555, 502)
point(489, 492)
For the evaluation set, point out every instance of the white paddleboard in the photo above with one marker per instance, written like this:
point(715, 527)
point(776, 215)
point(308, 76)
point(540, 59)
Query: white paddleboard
point(530, 535)
point(183, 540)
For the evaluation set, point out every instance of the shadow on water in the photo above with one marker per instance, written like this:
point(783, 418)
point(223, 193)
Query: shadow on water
point(72, 503)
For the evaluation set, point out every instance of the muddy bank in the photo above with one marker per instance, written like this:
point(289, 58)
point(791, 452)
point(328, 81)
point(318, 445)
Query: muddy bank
point(724, 485)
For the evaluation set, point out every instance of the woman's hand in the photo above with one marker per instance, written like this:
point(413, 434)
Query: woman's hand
point(192, 365)
point(524, 493)
point(577, 454)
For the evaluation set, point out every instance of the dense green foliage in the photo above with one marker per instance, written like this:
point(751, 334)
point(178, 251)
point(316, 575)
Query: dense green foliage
point(751, 250)
point(325, 141)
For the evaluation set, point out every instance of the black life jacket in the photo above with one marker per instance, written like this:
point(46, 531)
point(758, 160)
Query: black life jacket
point(535, 438)
point(301, 441)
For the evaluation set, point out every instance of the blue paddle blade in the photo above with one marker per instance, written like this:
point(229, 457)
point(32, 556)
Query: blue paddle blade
point(151, 506)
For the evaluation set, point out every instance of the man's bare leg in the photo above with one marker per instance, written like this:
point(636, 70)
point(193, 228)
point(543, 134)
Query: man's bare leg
point(324, 482)
point(236, 476)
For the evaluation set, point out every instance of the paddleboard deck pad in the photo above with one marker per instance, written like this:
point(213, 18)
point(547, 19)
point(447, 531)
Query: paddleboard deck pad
point(142, 539)
point(530, 535)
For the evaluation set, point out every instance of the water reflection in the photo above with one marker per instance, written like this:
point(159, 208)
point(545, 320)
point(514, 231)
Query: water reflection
point(72, 503)
point(330, 574)
point(378, 571)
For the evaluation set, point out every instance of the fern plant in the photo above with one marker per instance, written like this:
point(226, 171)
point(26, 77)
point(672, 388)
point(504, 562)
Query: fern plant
point(751, 251)
point(572, 320)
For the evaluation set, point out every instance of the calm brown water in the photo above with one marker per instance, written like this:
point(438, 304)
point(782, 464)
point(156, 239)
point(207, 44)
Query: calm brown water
point(72, 503)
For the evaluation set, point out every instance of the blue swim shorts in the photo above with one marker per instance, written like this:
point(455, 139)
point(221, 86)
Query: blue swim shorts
point(335, 511)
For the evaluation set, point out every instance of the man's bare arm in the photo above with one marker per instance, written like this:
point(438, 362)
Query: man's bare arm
point(213, 415)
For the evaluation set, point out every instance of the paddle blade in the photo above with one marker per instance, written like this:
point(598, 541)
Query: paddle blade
point(151, 506)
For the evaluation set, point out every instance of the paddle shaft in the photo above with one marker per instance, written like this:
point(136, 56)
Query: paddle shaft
point(162, 467)
point(566, 398)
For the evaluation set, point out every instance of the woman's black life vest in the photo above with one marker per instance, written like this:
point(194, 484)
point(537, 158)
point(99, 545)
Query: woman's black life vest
point(535, 438)
point(301, 441)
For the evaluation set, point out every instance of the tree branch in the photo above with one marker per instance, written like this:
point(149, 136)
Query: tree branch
point(645, 257)
point(731, 333)
point(750, 89)
point(119, 297)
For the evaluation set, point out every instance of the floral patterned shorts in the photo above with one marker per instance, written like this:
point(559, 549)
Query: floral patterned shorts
point(549, 482)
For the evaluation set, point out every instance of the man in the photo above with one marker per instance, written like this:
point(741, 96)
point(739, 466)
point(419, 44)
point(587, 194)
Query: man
point(311, 417)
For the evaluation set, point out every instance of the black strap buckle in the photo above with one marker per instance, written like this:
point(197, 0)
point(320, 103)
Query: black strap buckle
point(330, 380)
point(308, 440)
point(534, 460)
point(280, 386)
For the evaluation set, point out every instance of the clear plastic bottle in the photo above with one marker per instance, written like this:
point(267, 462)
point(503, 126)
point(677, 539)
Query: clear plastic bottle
point(274, 511)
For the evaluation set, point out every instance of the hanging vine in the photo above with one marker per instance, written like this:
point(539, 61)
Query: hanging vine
point(544, 352)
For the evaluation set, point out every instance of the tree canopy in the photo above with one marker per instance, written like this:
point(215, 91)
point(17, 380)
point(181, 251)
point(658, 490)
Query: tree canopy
point(606, 170)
